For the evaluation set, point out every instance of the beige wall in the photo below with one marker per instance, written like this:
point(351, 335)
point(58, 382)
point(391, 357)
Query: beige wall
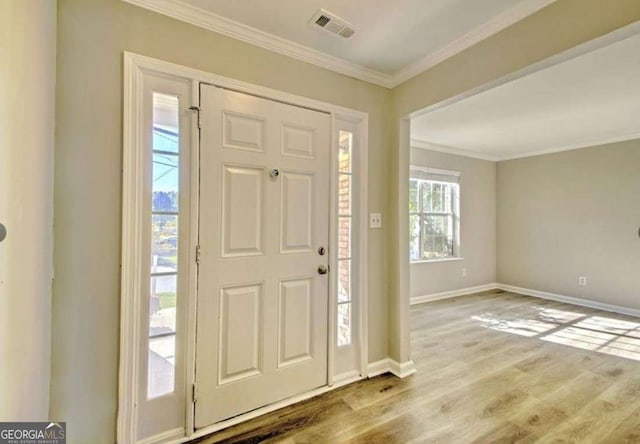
point(571, 214)
point(477, 226)
point(556, 28)
point(27, 104)
point(92, 37)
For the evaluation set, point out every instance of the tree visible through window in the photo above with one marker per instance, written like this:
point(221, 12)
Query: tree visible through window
point(433, 214)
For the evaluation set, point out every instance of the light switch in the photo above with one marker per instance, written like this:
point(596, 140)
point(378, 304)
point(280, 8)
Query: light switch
point(375, 220)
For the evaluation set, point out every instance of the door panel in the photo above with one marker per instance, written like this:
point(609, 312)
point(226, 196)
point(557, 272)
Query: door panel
point(262, 306)
point(243, 210)
point(297, 141)
point(243, 132)
point(240, 349)
point(297, 218)
point(295, 333)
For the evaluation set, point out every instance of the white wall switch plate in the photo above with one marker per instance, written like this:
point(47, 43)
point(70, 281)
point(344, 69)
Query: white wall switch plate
point(375, 220)
point(582, 280)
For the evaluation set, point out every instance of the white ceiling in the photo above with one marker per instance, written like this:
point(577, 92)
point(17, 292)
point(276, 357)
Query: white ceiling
point(589, 100)
point(395, 40)
point(391, 34)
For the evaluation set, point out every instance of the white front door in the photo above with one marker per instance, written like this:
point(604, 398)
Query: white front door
point(264, 214)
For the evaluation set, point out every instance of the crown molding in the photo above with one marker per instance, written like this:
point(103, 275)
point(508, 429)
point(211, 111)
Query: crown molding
point(202, 18)
point(487, 29)
point(575, 146)
point(425, 145)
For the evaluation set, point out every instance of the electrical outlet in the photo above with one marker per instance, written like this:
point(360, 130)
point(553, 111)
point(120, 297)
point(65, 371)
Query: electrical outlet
point(464, 272)
point(375, 220)
point(582, 280)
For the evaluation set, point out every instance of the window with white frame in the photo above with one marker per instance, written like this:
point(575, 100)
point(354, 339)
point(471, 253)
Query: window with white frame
point(434, 221)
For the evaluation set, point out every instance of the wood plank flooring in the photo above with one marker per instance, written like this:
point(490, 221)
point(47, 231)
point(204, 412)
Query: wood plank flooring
point(492, 367)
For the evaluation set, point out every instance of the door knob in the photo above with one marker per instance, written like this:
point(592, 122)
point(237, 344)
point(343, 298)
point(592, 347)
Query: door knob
point(323, 269)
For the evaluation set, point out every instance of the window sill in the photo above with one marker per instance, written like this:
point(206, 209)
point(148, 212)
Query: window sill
point(445, 259)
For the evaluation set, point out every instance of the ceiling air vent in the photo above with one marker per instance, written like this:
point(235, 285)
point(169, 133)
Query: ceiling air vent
point(322, 20)
point(333, 24)
point(346, 32)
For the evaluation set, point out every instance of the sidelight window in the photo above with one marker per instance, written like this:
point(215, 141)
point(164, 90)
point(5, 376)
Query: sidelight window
point(345, 228)
point(164, 221)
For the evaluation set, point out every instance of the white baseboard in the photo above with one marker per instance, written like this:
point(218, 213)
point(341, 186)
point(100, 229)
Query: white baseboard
point(453, 293)
point(388, 365)
point(404, 369)
point(571, 300)
point(378, 367)
point(164, 437)
point(345, 378)
point(528, 292)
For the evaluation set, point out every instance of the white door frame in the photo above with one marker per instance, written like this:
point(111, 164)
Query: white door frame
point(135, 67)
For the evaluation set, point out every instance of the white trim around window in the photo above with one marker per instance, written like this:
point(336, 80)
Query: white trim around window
point(435, 171)
point(351, 355)
point(448, 187)
point(432, 261)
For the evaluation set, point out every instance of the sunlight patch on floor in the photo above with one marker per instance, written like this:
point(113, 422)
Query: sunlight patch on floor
point(595, 333)
point(577, 337)
point(559, 316)
point(522, 327)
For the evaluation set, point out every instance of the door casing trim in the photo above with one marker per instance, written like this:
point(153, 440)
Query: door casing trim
point(135, 66)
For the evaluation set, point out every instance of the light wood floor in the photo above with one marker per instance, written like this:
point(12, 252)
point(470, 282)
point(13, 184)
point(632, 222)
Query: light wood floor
point(493, 367)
